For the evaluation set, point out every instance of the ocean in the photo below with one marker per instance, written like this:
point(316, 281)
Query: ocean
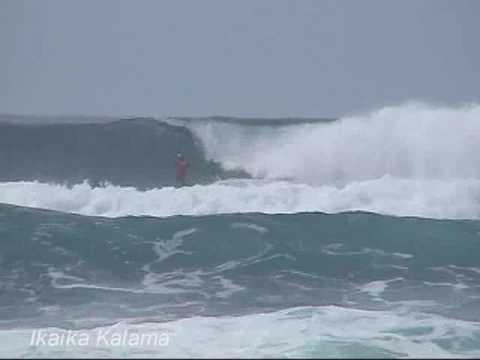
point(351, 237)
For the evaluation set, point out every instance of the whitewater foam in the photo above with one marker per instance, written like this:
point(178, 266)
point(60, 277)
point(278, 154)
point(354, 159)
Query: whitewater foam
point(413, 140)
point(325, 331)
point(453, 199)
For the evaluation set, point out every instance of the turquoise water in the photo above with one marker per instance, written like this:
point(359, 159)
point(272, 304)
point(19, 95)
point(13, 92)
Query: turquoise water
point(356, 237)
point(414, 281)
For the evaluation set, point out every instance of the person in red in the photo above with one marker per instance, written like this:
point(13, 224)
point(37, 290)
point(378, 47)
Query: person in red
point(181, 170)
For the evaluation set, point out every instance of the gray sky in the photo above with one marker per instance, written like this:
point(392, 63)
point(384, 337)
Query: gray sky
point(243, 58)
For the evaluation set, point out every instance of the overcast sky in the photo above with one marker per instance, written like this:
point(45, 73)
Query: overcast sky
point(250, 58)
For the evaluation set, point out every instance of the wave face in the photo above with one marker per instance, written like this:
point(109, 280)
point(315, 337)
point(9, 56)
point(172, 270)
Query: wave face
point(130, 152)
point(413, 141)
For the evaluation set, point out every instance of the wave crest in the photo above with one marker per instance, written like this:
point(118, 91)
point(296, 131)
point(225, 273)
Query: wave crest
point(387, 195)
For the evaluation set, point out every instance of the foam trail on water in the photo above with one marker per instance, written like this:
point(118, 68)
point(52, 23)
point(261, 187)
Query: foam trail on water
point(414, 141)
point(327, 331)
point(427, 198)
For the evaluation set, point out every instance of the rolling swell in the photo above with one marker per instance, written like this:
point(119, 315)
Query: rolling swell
point(185, 265)
point(136, 152)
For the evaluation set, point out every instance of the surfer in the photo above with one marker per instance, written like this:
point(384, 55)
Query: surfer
point(181, 170)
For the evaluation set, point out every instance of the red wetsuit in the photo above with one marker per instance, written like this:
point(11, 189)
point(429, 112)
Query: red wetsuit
point(181, 170)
